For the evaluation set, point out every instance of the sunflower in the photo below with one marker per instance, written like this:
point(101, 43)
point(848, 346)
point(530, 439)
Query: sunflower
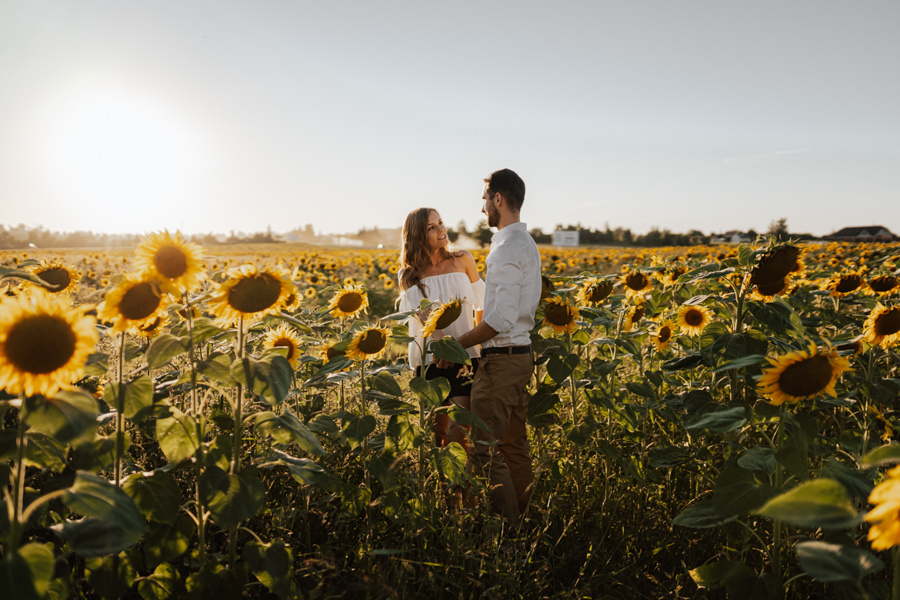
point(369, 343)
point(388, 283)
point(284, 336)
point(634, 314)
point(767, 291)
point(61, 278)
point(328, 352)
point(250, 293)
point(670, 275)
point(883, 284)
point(134, 303)
point(885, 517)
point(349, 301)
point(560, 315)
point(635, 282)
point(883, 326)
point(843, 283)
point(44, 343)
point(291, 302)
point(546, 287)
point(593, 291)
point(664, 334)
point(442, 316)
point(310, 292)
point(692, 319)
point(178, 264)
point(775, 264)
point(153, 327)
point(802, 374)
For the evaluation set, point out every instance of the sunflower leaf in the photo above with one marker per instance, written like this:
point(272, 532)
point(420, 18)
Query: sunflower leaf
point(448, 348)
point(883, 455)
point(827, 562)
point(163, 349)
point(817, 503)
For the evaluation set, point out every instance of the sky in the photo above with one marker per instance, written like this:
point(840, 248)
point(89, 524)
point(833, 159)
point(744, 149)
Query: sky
point(126, 116)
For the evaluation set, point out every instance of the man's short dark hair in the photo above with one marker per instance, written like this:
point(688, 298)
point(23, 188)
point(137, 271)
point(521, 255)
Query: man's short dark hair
point(507, 184)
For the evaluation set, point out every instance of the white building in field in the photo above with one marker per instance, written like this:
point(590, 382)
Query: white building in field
point(565, 238)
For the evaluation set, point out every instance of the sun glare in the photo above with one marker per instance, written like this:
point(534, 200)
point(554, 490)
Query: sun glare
point(121, 157)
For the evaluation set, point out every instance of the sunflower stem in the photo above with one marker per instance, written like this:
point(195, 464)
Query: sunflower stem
point(775, 553)
point(195, 409)
point(16, 521)
point(120, 408)
point(895, 587)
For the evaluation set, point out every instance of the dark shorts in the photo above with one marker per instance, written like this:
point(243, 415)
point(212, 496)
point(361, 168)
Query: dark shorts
point(459, 376)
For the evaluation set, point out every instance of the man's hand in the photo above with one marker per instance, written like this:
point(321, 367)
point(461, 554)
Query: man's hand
point(442, 363)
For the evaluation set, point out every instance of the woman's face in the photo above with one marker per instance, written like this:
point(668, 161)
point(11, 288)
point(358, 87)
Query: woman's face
point(435, 232)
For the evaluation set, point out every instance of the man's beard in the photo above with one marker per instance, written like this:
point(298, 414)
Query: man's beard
point(493, 216)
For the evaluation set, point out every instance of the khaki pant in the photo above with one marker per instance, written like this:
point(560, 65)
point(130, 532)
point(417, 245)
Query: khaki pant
point(503, 454)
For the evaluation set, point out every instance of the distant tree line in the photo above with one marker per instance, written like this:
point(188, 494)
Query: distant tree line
point(38, 237)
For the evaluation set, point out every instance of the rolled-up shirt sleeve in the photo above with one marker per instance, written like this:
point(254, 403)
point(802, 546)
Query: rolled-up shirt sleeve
point(504, 277)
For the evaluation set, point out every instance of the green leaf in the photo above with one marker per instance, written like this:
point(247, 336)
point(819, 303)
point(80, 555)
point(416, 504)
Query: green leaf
point(163, 348)
point(45, 452)
point(718, 421)
point(271, 563)
point(70, 416)
point(639, 388)
point(165, 542)
point(431, 392)
point(137, 396)
point(758, 458)
point(93, 537)
point(111, 576)
point(338, 363)
point(164, 583)
point(97, 364)
point(270, 378)
point(177, 436)
point(287, 428)
point(357, 429)
point(888, 454)
point(465, 417)
point(737, 492)
point(386, 383)
point(450, 461)
point(448, 348)
point(830, 563)
point(669, 456)
point(739, 363)
point(858, 483)
point(231, 499)
point(401, 434)
point(683, 362)
point(156, 495)
point(715, 575)
point(217, 368)
point(701, 515)
point(793, 454)
point(542, 407)
point(560, 368)
point(26, 574)
point(303, 470)
point(817, 503)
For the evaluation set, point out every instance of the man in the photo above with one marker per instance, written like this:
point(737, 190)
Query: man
point(512, 292)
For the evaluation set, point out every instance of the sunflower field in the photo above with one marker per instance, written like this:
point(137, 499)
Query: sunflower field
point(241, 422)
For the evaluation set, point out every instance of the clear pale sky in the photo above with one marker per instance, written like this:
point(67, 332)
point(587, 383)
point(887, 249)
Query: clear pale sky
point(220, 115)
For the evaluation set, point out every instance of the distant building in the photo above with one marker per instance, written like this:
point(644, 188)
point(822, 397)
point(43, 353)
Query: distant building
point(871, 233)
point(731, 237)
point(565, 238)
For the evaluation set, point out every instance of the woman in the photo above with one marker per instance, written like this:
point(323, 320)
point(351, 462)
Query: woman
point(429, 270)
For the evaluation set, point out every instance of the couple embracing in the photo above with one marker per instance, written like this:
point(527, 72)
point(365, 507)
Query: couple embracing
point(494, 327)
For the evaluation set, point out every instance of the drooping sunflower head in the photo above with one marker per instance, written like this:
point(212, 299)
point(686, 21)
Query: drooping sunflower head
point(250, 293)
point(153, 327)
point(883, 326)
point(291, 302)
point(635, 282)
point(594, 291)
point(560, 315)
point(775, 264)
point(633, 316)
point(664, 334)
point(670, 275)
point(844, 283)
point(370, 343)
point(284, 336)
point(885, 517)
point(883, 284)
point(61, 278)
point(546, 287)
point(442, 316)
point(801, 375)
point(135, 302)
point(767, 291)
point(693, 318)
point(44, 343)
point(177, 263)
point(348, 301)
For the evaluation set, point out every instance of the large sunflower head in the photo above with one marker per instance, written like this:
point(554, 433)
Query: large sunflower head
point(775, 264)
point(349, 300)
point(885, 517)
point(370, 342)
point(136, 302)
point(883, 284)
point(802, 374)
point(60, 278)
point(693, 318)
point(883, 326)
point(44, 343)
point(442, 316)
point(633, 316)
point(767, 291)
point(560, 315)
point(635, 282)
point(250, 293)
point(842, 284)
point(594, 291)
point(177, 263)
point(284, 336)
point(663, 335)
point(328, 352)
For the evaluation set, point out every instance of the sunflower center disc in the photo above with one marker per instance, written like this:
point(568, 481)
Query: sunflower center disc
point(140, 301)
point(848, 283)
point(59, 278)
point(557, 315)
point(170, 262)
point(450, 314)
point(693, 317)
point(664, 334)
point(254, 294)
point(885, 283)
point(636, 281)
point(371, 342)
point(285, 343)
point(775, 266)
point(807, 377)
point(40, 344)
point(771, 288)
point(599, 292)
point(350, 302)
point(888, 322)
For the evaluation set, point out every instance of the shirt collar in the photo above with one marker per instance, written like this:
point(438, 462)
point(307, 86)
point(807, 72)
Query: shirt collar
point(504, 233)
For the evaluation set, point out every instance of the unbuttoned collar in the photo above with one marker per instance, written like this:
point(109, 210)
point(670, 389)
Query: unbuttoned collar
point(502, 234)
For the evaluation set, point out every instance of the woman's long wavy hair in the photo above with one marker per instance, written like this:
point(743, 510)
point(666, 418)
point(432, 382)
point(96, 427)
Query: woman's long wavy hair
point(415, 255)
